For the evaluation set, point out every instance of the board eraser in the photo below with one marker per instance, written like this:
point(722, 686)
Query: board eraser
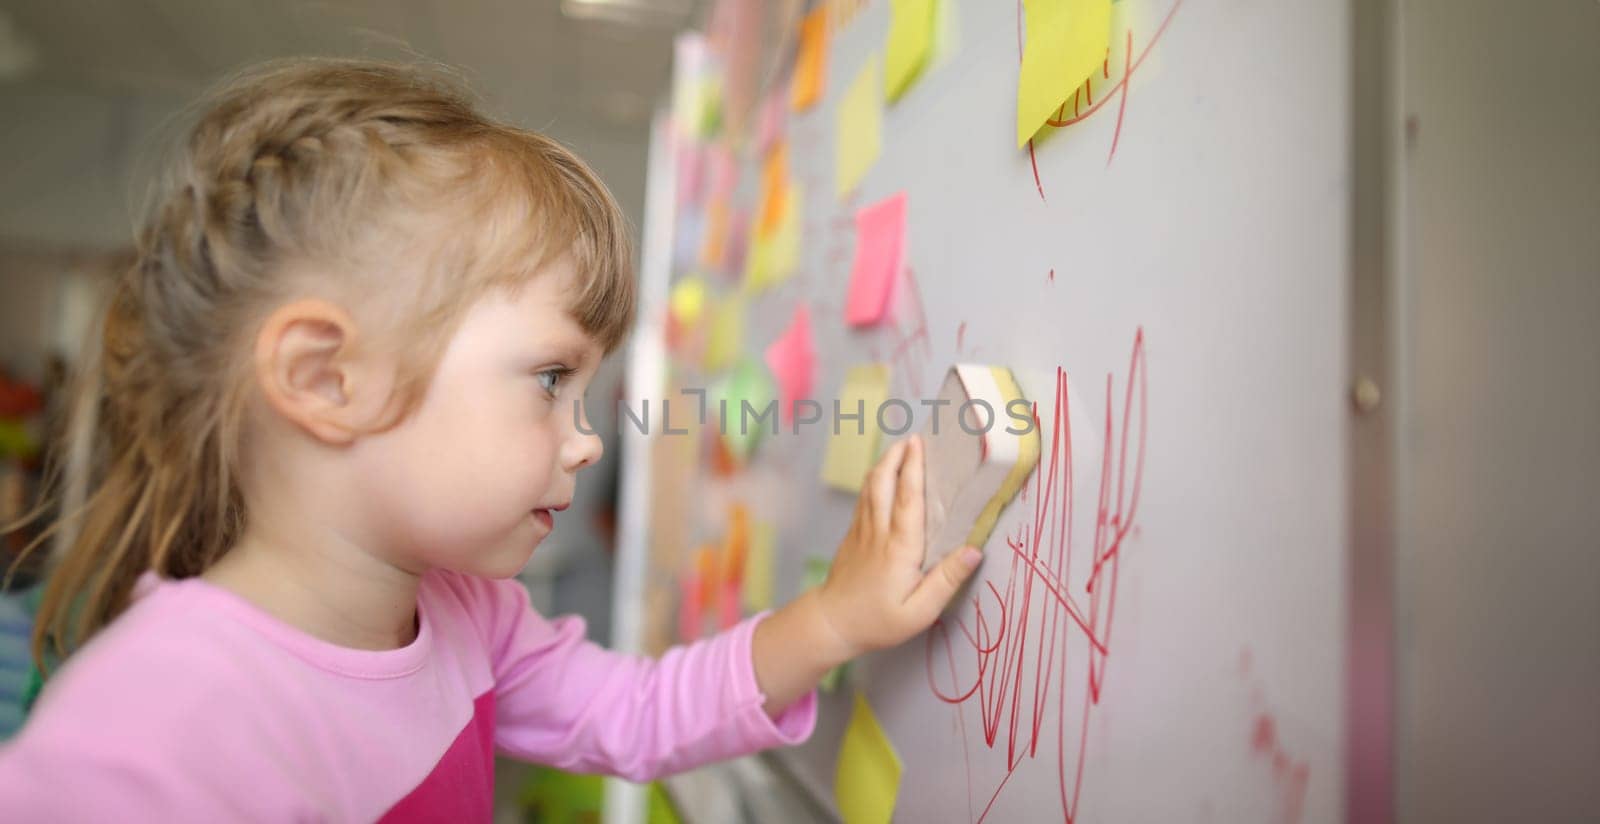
point(978, 449)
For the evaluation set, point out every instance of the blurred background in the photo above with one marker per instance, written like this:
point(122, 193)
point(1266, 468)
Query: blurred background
point(92, 93)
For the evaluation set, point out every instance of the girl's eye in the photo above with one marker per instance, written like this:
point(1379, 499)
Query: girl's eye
point(550, 379)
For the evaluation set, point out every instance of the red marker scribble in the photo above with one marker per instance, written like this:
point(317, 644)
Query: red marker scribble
point(909, 341)
point(1084, 105)
point(1289, 775)
point(1012, 629)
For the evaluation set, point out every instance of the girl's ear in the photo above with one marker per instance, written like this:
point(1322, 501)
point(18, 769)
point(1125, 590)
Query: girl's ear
point(312, 373)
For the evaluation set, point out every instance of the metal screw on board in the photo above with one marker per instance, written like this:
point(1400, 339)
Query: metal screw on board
point(1365, 395)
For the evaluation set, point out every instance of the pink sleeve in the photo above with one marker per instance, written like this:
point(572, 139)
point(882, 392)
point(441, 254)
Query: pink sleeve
point(564, 701)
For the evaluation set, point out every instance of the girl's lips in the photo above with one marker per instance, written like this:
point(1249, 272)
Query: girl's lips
point(545, 517)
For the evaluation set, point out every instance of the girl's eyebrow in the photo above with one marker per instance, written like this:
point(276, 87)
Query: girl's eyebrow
point(574, 354)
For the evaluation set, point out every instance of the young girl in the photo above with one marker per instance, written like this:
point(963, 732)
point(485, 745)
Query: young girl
point(333, 412)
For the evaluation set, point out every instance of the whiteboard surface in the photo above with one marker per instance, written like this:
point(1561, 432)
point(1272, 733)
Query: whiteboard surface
point(1217, 236)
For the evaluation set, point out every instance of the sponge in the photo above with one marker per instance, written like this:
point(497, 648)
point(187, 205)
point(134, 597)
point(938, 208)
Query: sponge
point(979, 446)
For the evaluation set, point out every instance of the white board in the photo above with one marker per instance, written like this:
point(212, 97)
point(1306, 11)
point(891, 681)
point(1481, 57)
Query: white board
point(1205, 263)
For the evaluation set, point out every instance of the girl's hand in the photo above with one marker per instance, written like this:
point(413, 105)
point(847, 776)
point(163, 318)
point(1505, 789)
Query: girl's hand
point(876, 594)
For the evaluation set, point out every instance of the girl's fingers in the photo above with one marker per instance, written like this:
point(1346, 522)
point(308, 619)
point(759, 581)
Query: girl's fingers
point(881, 483)
point(907, 520)
point(936, 589)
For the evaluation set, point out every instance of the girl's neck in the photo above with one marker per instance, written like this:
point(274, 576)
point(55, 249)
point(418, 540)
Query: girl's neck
point(338, 594)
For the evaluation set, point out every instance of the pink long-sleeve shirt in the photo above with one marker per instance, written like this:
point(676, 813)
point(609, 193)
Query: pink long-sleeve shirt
point(194, 705)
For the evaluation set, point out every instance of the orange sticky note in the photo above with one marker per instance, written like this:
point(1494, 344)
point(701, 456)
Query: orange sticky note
point(774, 180)
point(716, 237)
point(793, 361)
point(880, 254)
point(736, 544)
point(811, 61)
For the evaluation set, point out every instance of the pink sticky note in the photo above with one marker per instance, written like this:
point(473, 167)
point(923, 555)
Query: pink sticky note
point(724, 172)
point(691, 607)
point(793, 361)
point(773, 115)
point(728, 605)
point(880, 251)
point(691, 172)
point(738, 243)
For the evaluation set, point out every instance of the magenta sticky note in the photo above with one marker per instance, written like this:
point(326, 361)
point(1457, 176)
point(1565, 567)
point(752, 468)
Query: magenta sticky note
point(880, 252)
point(793, 361)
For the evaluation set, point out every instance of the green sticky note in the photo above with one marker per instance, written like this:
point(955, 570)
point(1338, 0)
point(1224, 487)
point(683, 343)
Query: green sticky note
point(745, 399)
point(816, 572)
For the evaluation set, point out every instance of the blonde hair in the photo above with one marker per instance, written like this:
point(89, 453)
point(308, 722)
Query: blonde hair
point(332, 163)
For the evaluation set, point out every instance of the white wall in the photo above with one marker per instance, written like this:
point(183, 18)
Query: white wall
point(77, 165)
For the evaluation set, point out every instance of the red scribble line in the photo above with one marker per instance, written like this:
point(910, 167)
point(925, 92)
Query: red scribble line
point(1041, 552)
point(1078, 114)
point(907, 360)
point(1035, 161)
point(1122, 108)
point(1128, 72)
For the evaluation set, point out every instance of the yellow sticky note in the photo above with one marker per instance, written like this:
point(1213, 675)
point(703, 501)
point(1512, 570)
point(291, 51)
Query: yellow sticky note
point(868, 777)
point(1066, 40)
point(688, 300)
point(727, 333)
point(854, 447)
point(811, 60)
point(758, 269)
point(785, 241)
point(858, 132)
point(910, 35)
point(758, 566)
point(774, 257)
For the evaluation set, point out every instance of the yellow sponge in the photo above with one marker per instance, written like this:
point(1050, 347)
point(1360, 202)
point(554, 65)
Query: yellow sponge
point(981, 444)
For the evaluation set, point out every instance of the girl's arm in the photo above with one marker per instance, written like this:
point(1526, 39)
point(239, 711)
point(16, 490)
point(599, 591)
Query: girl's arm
point(876, 594)
point(564, 701)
